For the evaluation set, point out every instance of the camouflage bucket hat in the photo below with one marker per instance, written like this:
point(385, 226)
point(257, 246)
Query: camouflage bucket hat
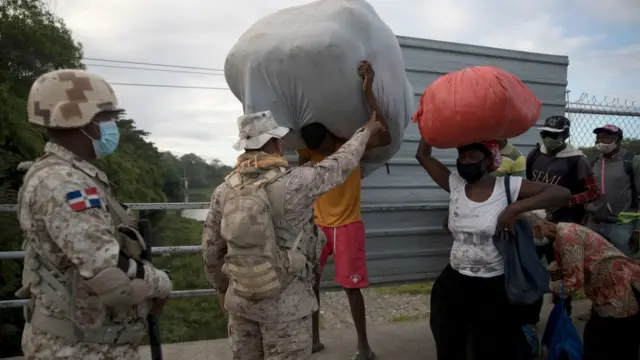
point(256, 129)
point(69, 99)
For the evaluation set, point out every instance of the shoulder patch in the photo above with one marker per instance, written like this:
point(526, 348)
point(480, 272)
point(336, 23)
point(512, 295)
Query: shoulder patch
point(84, 199)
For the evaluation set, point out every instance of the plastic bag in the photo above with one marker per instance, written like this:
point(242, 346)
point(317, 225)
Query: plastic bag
point(526, 279)
point(301, 63)
point(473, 105)
point(560, 335)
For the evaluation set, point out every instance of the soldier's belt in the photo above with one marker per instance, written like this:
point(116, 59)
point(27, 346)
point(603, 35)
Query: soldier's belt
point(108, 334)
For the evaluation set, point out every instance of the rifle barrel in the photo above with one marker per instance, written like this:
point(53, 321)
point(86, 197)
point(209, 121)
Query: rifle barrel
point(153, 330)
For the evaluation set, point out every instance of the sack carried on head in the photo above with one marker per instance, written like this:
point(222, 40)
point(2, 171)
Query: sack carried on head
point(473, 105)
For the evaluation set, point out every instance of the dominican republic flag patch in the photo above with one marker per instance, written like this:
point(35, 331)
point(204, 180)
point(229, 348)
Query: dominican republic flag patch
point(84, 199)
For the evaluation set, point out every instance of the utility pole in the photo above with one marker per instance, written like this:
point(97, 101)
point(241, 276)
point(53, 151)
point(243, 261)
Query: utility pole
point(185, 183)
point(185, 180)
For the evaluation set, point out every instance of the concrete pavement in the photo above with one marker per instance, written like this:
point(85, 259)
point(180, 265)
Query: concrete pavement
point(402, 340)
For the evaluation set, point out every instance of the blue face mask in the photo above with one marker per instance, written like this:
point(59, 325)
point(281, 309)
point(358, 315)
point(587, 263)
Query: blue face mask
point(109, 139)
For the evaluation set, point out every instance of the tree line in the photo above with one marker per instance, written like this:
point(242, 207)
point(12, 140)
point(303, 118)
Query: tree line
point(34, 41)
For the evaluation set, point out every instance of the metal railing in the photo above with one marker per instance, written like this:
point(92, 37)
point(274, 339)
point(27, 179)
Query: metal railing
point(192, 249)
point(161, 250)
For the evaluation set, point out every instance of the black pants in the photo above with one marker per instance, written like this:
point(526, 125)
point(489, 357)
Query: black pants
point(464, 305)
point(610, 338)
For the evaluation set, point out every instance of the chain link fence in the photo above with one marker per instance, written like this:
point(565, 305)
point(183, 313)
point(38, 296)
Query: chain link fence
point(589, 112)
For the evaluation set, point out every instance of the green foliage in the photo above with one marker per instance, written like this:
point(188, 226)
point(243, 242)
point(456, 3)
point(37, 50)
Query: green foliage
point(172, 187)
point(192, 319)
point(200, 173)
point(187, 319)
point(33, 41)
point(136, 169)
point(200, 195)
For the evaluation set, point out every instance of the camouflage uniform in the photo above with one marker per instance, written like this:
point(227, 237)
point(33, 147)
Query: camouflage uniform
point(70, 246)
point(279, 328)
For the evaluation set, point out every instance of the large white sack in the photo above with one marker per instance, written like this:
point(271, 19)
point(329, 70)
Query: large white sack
point(301, 63)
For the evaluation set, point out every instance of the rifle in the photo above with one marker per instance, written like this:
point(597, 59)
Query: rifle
point(144, 227)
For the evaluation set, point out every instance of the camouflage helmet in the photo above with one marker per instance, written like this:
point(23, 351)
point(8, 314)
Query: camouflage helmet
point(69, 99)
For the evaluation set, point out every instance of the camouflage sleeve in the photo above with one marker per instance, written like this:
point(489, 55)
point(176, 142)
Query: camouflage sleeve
point(85, 236)
point(214, 247)
point(306, 183)
point(158, 280)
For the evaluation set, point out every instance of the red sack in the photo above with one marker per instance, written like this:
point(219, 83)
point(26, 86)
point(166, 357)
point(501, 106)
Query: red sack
point(475, 104)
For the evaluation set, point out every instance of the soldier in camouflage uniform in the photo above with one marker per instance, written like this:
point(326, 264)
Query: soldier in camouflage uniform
point(89, 292)
point(279, 327)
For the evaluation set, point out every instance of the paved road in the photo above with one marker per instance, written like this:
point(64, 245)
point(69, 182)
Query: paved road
point(403, 340)
point(408, 339)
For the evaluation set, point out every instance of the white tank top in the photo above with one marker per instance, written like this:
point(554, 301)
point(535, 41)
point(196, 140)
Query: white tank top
point(473, 226)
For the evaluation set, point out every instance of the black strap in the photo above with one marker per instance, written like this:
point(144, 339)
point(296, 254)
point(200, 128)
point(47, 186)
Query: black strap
point(628, 163)
point(628, 168)
point(531, 159)
point(123, 264)
point(507, 187)
point(636, 293)
point(577, 184)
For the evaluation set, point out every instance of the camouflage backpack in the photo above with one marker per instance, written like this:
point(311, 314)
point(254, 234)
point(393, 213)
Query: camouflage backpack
point(256, 262)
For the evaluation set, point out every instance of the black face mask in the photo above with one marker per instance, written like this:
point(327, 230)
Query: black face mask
point(471, 172)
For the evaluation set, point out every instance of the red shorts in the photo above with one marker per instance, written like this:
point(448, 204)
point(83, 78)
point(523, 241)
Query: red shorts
point(347, 245)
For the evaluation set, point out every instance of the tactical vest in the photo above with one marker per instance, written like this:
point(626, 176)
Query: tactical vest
point(285, 232)
point(60, 288)
point(255, 268)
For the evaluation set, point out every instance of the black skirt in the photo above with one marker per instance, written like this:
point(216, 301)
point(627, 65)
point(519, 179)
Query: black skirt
point(463, 306)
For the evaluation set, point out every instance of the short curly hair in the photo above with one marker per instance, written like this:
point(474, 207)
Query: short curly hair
point(314, 135)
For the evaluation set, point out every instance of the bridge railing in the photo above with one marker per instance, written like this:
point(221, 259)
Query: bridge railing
point(160, 250)
point(388, 256)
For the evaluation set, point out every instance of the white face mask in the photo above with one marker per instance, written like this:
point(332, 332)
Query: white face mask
point(606, 148)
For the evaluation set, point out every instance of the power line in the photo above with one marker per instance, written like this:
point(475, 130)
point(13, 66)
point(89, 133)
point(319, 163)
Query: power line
point(159, 70)
point(153, 64)
point(170, 86)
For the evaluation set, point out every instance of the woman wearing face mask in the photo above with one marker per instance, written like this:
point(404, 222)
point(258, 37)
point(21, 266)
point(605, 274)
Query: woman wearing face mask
point(469, 296)
point(617, 174)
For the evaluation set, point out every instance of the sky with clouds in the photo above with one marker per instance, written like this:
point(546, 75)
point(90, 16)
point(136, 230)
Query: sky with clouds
point(600, 38)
